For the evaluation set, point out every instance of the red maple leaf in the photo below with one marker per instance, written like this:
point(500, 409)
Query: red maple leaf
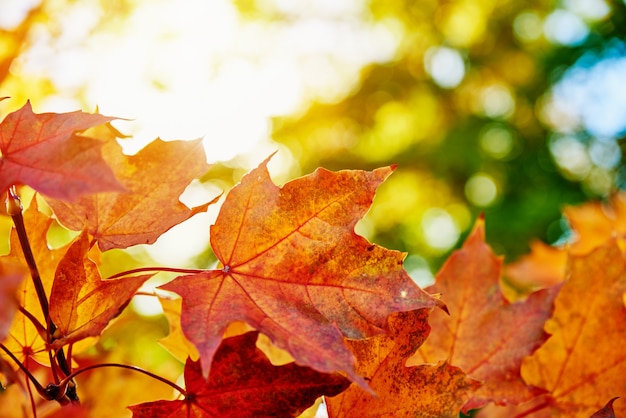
point(294, 269)
point(485, 335)
point(243, 383)
point(43, 152)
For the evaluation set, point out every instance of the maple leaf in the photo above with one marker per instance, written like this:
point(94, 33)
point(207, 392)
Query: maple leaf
point(11, 275)
point(81, 303)
point(175, 342)
point(107, 392)
point(485, 335)
point(43, 152)
point(154, 178)
point(418, 391)
point(294, 269)
point(244, 383)
point(595, 222)
point(592, 224)
point(607, 411)
point(582, 365)
point(543, 267)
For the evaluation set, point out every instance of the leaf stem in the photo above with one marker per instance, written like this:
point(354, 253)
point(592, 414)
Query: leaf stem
point(164, 269)
point(124, 366)
point(41, 330)
point(14, 209)
point(33, 407)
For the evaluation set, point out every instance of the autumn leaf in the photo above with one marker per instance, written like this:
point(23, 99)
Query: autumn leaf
point(176, 342)
point(11, 275)
point(14, 401)
point(70, 411)
point(418, 391)
point(583, 363)
point(595, 222)
point(543, 267)
point(43, 152)
point(81, 303)
point(154, 179)
point(294, 269)
point(484, 335)
point(107, 392)
point(592, 223)
point(244, 383)
point(607, 411)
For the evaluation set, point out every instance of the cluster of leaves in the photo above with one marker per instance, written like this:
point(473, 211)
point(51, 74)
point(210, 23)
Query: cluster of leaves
point(358, 329)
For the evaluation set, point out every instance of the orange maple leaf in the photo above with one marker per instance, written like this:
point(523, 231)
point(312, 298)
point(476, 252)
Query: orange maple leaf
point(43, 152)
point(81, 303)
point(543, 267)
point(417, 391)
point(485, 335)
point(592, 224)
point(294, 269)
point(595, 222)
point(154, 178)
point(176, 342)
point(583, 364)
point(243, 383)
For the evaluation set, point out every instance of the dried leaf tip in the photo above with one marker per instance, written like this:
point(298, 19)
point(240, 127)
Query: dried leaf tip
point(607, 411)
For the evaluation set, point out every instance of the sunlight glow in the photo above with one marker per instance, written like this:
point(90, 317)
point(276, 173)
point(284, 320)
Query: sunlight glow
point(198, 69)
point(202, 70)
point(13, 12)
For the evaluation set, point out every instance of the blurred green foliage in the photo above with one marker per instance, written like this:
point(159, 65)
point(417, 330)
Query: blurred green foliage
point(478, 144)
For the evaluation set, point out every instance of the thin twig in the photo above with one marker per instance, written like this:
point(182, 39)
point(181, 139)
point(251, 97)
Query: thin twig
point(14, 208)
point(38, 325)
point(157, 269)
point(124, 366)
point(33, 407)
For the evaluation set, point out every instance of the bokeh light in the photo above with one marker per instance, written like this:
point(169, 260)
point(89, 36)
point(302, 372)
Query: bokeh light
point(509, 111)
point(481, 190)
point(445, 66)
